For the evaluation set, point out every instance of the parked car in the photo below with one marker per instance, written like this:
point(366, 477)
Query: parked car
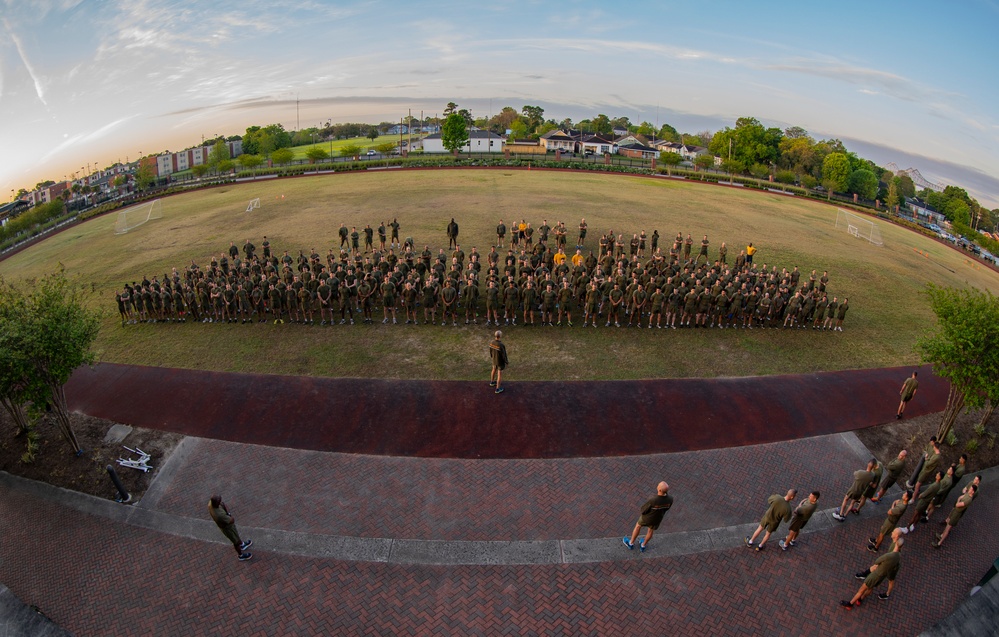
point(371, 153)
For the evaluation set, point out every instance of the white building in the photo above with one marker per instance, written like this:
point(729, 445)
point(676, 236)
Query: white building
point(479, 141)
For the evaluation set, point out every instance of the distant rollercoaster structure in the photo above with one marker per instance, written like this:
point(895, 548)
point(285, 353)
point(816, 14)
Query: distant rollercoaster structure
point(915, 176)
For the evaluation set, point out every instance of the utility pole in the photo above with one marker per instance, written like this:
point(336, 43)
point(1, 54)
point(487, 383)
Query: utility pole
point(298, 120)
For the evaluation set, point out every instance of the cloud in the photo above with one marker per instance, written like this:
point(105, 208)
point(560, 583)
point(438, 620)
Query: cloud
point(35, 77)
point(83, 138)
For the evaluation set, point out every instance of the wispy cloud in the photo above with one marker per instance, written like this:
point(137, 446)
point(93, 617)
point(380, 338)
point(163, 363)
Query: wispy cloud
point(35, 77)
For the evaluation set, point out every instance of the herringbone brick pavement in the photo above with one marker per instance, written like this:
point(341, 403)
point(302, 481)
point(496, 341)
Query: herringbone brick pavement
point(95, 577)
point(447, 499)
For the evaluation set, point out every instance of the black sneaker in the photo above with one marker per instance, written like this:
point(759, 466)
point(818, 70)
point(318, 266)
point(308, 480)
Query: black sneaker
point(245, 545)
point(845, 604)
point(861, 575)
point(245, 556)
point(883, 596)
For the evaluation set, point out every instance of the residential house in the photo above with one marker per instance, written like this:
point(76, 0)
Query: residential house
point(524, 146)
point(638, 151)
point(558, 140)
point(479, 141)
point(597, 145)
point(169, 163)
point(923, 212)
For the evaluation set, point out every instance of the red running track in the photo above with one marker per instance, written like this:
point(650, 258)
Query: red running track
point(465, 419)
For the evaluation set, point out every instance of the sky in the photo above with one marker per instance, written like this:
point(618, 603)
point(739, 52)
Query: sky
point(88, 83)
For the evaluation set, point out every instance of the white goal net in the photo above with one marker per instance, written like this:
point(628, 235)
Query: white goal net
point(253, 205)
point(858, 227)
point(131, 218)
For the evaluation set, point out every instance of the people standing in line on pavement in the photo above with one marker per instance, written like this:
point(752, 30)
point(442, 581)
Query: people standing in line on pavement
point(885, 567)
point(862, 479)
point(802, 514)
point(778, 510)
point(892, 471)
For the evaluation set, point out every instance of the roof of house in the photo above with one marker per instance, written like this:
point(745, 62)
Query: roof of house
point(521, 142)
point(641, 147)
point(597, 139)
point(472, 134)
point(557, 135)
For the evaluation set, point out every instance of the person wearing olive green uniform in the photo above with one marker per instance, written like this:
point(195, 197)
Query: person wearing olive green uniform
point(895, 514)
point(802, 514)
point(227, 524)
point(497, 352)
point(638, 299)
point(885, 567)
point(656, 313)
point(616, 297)
point(449, 299)
point(470, 295)
point(565, 304)
point(931, 462)
point(960, 508)
point(841, 314)
point(548, 300)
point(492, 303)
point(325, 309)
point(429, 302)
point(778, 510)
point(592, 303)
point(871, 488)
point(652, 514)
point(500, 233)
point(354, 241)
point(388, 301)
point(861, 481)
point(947, 483)
point(892, 471)
point(511, 299)
point(908, 390)
point(925, 498)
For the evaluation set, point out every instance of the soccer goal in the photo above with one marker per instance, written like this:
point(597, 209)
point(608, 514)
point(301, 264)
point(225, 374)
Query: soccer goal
point(131, 218)
point(253, 205)
point(858, 227)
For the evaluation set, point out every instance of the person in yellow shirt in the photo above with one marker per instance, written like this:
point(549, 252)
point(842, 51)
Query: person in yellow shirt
point(577, 259)
point(750, 251)
point(559, 257)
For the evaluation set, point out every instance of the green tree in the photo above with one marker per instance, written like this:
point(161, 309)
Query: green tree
point(668, 133)
point(534, 115)
point(704, 161)
point(218, 154)
point(450, 108)
point(836, 172)
point(199, 170)
point(670, 159)
point(226, 166)
point(759, 171)
point(784, 177)
point(808, 181)
point(372, 134)
point(891, 200)
point(18, 387)
point(144, 176)
point(316, 153)
point(385, 148)
point(601, 124)
point(282, 156)
point(58, 333)
point(518, 130)
point(864, 183)
point(732, 166)
point(454, 133)
point(250, 161)
point(906, 187)
point(963, 349)
point(351, 150)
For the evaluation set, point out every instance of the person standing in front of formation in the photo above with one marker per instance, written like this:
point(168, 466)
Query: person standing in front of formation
point(653, 511)
point(497, 351)
point(908, 390)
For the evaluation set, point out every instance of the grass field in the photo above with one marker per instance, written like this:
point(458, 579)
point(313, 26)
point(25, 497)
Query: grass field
point(337, 144)
point(884, 284)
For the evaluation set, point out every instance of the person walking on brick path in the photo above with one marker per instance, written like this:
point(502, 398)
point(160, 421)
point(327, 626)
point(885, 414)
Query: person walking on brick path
point(778, 510)
point(895, 514)
point(924, 500)
point(886, 566)
point(908, 390)
point(802, 514)
point(227, 524)
point(892, 471)
point(497, 350)
point(862, 479)
point(871, 488)
point(931, 462)
point(946, 484)
point(653, 511)
point(960, 508)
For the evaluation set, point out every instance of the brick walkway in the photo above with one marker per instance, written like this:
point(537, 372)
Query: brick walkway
point(98, 578)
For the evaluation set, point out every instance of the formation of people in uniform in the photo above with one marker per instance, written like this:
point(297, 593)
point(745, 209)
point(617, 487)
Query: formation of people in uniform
point(527, 276)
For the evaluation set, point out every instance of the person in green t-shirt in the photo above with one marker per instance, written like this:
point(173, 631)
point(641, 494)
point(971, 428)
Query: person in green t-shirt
point(890, 523)
point(497, 352)
point(907, 392)
point(227, 524)
point(802, 514)
point(886, 566)
point(778, 510)
point(892, 471)
point(652, 513)
point(955, 516)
